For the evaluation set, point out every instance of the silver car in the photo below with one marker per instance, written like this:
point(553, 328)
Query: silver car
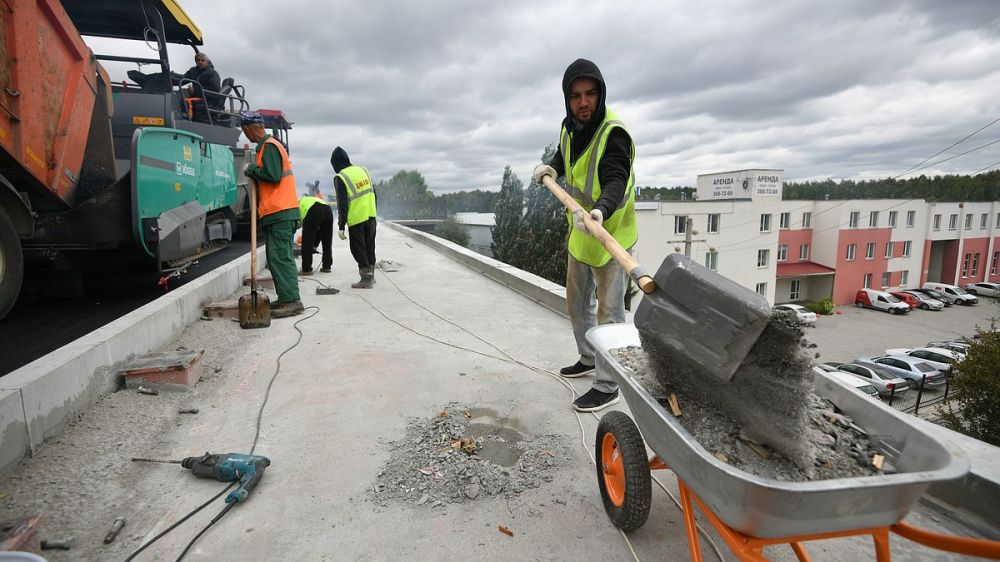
point(909, 368)
point(940, 359)
point(985, 288)
point(948, 300)
point(926, 301)
point(956, 346)
point(886, 382)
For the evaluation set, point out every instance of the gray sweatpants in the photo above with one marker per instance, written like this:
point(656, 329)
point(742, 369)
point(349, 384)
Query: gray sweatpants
point(594, 295)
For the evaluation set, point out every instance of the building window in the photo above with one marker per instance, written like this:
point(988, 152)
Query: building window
point(937, 221)
point(855, 219)
point(953, 222)
point(783, 252)
point(763, 256)
point(906, 249)
point(868, 281)
point(996, 258)
point(713, 223)
point(765, 223)
point(804, 252)
point(984, 219)
point(888, 249)
point(873, 219)
point(807, 220)
point(680, 224)
point(886, 277)
point(851, 249)
point(784, 220)
point(903, 278)
point(911, 218)
point(762, 289)
point(998, 220)
point(965, 265)
point(870, 251)
point(795, 290)
point(892, 219)
point(968, 221)
point(975, 264)
point(712, 260)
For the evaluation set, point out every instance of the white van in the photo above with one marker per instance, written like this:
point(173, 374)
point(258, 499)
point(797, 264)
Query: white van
point(880, 300)
point(953, 291)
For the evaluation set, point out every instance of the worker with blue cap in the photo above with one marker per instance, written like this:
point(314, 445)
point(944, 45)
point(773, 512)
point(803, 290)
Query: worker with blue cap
point(278, 209)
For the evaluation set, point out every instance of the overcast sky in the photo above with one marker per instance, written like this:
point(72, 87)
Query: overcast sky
point(458, 90)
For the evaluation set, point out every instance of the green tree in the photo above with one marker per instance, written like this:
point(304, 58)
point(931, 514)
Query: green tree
point(974, 401)
point(545, 230)
point(451, 229)
point(507, 244)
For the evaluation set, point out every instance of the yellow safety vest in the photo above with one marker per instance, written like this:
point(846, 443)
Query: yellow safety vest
point(306, 203)
point(360, 194)
point(583, 183)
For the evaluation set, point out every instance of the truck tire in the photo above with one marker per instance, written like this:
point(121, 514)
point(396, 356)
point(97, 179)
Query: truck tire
point(11, 264)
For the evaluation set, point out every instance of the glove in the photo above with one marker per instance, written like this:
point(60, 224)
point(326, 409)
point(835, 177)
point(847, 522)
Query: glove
point(598, 216)
point(578, 221)
point(541, 171)
point(342, 235)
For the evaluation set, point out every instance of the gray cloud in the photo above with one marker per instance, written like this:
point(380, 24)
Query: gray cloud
point(459, 90)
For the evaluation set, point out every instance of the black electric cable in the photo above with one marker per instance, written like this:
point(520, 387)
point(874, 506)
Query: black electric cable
point(224, 511)
point(175, 525)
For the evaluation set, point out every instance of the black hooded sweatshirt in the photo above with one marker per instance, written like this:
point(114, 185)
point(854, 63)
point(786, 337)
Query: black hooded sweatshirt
point(615, 165)
point(339, 160)
point(208, 79)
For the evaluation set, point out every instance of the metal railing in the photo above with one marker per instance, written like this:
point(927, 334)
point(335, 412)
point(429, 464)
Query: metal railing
point(918, 395)
point(237, 102)
point(432, 210)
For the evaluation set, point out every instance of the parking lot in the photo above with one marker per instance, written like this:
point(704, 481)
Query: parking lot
point(857, 332)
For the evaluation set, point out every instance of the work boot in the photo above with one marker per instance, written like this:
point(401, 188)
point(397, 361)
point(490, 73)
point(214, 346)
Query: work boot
point(577, 369)
point(324, 270)
point(595, 400)
point(305, 272)
point(367, 279)
point(284, 309)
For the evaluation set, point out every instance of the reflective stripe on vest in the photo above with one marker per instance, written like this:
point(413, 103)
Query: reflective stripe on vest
point(307, 203)
point(274, 197)
point(584, 185)
point(360, 194)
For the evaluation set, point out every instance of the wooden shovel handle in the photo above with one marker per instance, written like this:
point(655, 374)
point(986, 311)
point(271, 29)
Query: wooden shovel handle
point(253, 234)
point(621, 255)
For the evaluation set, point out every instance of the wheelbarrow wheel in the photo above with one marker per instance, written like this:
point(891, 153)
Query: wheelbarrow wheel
point(623, 471)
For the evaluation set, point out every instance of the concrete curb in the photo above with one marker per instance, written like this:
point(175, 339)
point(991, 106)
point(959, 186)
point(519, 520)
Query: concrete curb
point(538, 289)
point(37, 399)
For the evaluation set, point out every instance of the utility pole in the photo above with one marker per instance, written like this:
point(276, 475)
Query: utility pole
point(688, 233)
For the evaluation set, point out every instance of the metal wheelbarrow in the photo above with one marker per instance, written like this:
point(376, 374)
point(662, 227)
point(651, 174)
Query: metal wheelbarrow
point(750, 511)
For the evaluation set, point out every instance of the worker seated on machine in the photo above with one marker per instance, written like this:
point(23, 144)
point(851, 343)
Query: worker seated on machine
point(200, 89)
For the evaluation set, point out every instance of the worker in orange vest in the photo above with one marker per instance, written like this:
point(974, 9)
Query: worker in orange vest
point(278, 209)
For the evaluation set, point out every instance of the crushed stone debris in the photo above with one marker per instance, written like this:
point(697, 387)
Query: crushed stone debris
point(461, 454)
point(766, 421)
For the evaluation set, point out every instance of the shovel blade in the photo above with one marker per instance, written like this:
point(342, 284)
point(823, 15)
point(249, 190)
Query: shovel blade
point(701, 319)
point(255, 310)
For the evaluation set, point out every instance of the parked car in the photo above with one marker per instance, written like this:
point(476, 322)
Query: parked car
point(940, 358)
point(984, 288)
point(909, 368)
point(880, 300)
point(948, 300)
point(883, 380)
point(799, 312)
point(858, 384)
point(910, 300)
point(957, 346)
point(927, 302)
point(957, 293)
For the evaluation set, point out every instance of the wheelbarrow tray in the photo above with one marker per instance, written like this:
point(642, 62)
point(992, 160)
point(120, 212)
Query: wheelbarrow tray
point(766, 508)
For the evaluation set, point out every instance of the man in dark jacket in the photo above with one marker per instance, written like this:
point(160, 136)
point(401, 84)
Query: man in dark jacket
point(595, 154)
point(206, 80)
point(356, 209)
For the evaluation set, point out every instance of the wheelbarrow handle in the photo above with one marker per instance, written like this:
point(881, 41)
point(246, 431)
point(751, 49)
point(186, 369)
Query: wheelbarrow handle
point(621, 255)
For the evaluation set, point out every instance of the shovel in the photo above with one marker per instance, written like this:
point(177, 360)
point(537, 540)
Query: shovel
point(255, 308)
point(690, 315)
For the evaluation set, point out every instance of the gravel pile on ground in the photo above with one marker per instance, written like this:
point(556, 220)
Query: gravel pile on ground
point(767, 410)
point(461, 454)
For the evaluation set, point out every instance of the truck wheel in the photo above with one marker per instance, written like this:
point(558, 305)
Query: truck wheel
point(623, 471)
point(11, 264)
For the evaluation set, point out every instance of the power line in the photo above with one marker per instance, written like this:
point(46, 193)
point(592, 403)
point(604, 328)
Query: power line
point(980, 147)
point(986, 168)
point(945, 150)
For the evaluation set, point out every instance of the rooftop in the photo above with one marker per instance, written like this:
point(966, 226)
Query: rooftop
point(433, 333)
